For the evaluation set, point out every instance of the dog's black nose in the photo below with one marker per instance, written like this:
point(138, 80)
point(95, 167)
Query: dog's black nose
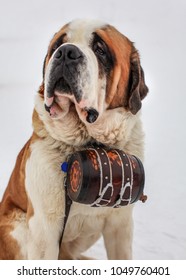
point(68, 53)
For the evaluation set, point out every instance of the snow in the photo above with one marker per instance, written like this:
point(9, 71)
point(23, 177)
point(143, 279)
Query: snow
point(157, 27)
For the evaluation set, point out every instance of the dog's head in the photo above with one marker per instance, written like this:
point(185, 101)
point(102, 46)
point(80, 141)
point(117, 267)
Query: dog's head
point(93, 68)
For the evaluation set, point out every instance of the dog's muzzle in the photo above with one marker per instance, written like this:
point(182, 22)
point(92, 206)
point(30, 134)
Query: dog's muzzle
point(67, 76)
point(63, 71)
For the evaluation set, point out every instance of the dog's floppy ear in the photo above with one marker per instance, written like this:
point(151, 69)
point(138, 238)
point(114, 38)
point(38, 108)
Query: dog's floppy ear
point(137, 88)
point(44, 62)
point(41, 88)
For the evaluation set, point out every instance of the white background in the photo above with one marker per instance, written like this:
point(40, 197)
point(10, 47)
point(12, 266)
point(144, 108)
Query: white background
point(158, 30)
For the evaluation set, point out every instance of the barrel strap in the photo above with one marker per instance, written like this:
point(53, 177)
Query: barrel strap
point(68, 203)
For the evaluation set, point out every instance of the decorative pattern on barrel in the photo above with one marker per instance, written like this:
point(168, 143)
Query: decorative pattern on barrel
point(104, 177)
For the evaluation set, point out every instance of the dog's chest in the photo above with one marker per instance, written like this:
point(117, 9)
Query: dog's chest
point(84, 221)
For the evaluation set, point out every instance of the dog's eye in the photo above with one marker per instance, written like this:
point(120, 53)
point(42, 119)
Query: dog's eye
point(99, 48)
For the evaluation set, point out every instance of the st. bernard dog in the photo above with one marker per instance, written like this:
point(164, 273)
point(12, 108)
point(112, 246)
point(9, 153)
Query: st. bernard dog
point(92, 89)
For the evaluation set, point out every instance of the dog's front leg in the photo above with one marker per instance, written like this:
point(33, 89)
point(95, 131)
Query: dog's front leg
point(118, 233)
point(42, 240)
point(46, 198)
point(44, 230)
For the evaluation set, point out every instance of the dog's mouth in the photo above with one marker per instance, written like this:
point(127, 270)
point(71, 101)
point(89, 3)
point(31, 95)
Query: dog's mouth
point(62, 86)
point(60, 97)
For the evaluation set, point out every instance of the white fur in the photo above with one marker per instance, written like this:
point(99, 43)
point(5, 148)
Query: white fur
point(44, 187)
point(81, 30)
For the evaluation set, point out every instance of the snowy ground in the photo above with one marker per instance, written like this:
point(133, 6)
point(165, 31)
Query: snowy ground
point(157, 27)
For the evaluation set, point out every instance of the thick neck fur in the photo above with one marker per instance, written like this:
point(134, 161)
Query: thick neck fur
point(116, 128)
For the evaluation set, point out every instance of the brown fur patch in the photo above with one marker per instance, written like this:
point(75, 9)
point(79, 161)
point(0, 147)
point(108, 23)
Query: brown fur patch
point(15, 194)
point(14, 204)
point(121, 48)
point(9, 248)
point(38, 126)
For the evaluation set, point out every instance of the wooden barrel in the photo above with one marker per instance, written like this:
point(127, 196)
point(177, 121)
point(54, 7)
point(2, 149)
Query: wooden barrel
point(104, 177)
